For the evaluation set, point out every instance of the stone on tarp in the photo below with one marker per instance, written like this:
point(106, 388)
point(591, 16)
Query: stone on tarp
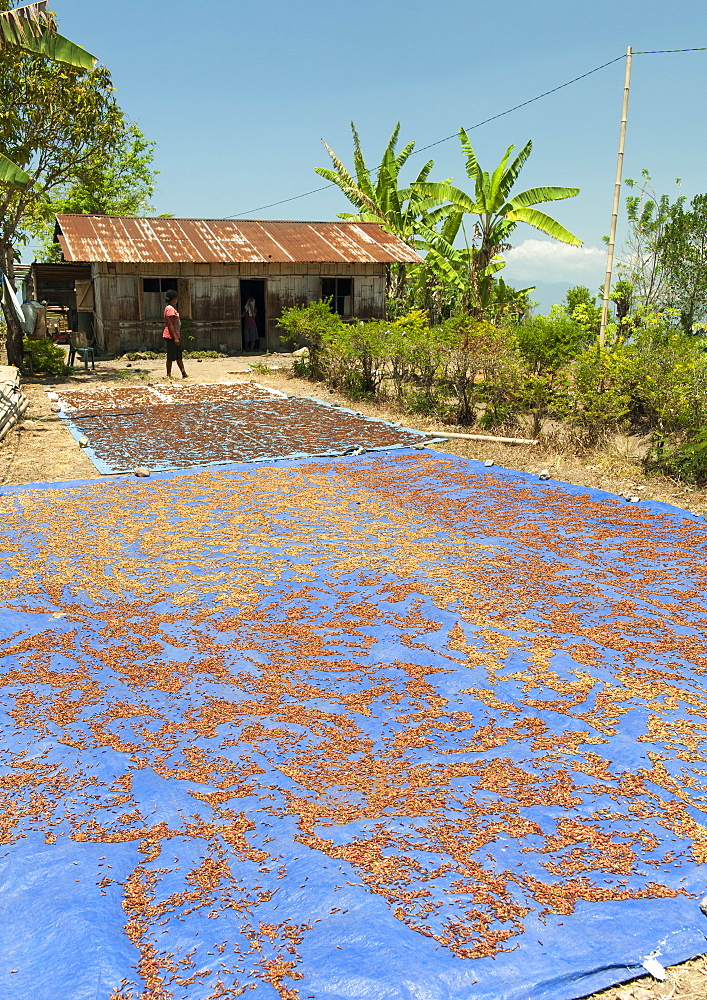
point(142, 471)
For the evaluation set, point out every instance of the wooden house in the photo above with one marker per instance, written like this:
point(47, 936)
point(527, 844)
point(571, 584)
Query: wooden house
point(66, 292)
point(216, 265)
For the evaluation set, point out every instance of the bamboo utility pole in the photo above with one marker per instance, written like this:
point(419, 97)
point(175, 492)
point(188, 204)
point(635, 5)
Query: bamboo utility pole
point(617, 197)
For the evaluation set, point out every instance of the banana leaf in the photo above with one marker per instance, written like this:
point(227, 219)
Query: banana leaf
point(544, 223)
point(472, 165)
point(32, 29)
point(511, 174)
point(534, 196)
point(363, 174)
point(342, 176)
point(498, 177)
point(13, 175)
point(444, 191)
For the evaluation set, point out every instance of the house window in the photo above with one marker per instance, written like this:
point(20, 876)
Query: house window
point(340, 292)
point(153, 290)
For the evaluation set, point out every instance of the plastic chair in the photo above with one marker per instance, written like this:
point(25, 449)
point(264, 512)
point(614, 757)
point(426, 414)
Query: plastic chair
point(79, 346)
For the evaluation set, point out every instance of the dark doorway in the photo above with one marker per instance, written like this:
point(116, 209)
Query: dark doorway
point(253, 288)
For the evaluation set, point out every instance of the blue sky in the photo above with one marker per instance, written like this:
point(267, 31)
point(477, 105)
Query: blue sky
point(239, 94)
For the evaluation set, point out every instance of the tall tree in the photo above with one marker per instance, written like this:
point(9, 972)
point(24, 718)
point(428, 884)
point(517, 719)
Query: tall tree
point(55, 122)
point(495, 209)
point(32, 28)
point(647, 215)
point(682, 257)
point(117, 181)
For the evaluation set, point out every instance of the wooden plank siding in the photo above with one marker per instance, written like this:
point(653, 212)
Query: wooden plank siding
point(211, 293)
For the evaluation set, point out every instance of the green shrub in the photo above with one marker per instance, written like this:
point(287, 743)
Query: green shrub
point(423, 403)
point(407, 338)
point(312, 326)
point(547, 346)
point(483, 367)
point(666, 381)
point(686, 460)
point(359, 357)
point(598, 400)
point(46, 357)
point(422, 353)
point(548, 343)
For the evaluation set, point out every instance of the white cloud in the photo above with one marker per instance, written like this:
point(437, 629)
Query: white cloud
point(545, 260)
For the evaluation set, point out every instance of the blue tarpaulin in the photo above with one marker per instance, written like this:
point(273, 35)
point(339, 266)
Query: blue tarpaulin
point(393, 727)
point(194, 426)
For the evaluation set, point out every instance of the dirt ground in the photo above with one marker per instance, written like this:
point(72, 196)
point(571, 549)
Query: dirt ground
point(41, 449)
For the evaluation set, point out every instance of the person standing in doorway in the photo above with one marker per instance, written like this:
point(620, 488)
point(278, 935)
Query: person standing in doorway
point(172, 334)
point(250, 326)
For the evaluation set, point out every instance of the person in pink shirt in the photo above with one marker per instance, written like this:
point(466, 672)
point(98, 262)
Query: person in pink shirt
point(172, 334)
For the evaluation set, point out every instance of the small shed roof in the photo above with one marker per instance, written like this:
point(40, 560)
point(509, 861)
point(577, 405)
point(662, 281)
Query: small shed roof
point(124, 239)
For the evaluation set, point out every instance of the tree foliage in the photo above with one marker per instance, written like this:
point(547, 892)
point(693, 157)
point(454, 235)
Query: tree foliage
point(59, 124)
point(378, 196)
point(496, 211)
point(32, 28)
point(461, 258)
point(116, 181)
point(647, 214)
point(682, 258)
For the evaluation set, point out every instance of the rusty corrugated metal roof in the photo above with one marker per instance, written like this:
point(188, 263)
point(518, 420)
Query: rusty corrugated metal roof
point(124, 239)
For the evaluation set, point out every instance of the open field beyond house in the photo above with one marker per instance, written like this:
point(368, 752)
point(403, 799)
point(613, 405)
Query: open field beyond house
point(385, 725)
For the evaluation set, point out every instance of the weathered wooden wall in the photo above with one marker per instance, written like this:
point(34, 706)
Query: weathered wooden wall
point(214, 299)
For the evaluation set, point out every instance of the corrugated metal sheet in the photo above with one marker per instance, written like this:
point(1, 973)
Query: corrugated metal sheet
point(122, 239)
point(61, 272)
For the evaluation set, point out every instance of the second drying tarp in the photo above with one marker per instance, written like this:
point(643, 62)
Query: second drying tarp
point(202, 431)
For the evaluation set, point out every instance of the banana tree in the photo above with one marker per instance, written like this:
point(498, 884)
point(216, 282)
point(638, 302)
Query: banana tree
point(378, 196)
point(495, 209)
point(32, 29)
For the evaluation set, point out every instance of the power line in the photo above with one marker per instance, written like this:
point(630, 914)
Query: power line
point(493, 118)
point(524, 104)
point(655, 52)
